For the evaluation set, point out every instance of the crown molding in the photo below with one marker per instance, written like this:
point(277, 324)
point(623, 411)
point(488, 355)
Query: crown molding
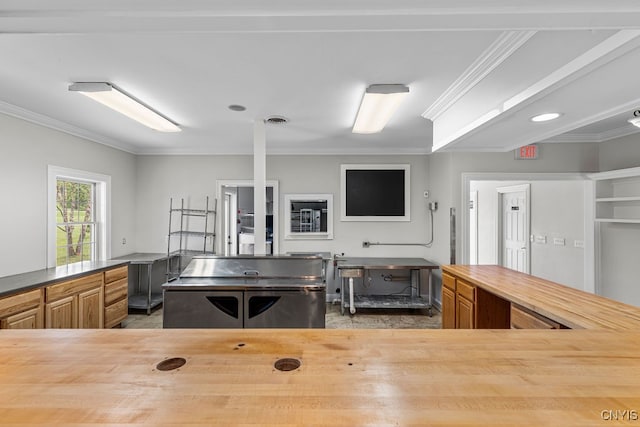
point(594, 137)
point(60, 126)
point(501, 49)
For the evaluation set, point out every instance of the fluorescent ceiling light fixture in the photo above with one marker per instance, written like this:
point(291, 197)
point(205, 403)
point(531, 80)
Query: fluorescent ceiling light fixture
point(378, 105)
point(107, 94)
point(545, 117)
point(635, 121)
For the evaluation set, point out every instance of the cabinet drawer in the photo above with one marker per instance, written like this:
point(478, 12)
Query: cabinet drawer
point(116, 274)
point(466, 290)
point(522, 318)
point(115, 291)
point(115, 313)
point(71, 287)
point(19, 302)
point(449, 281)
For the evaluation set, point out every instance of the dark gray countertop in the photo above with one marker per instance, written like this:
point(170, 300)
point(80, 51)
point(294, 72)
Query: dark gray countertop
point(39, 278)
point(386, 263)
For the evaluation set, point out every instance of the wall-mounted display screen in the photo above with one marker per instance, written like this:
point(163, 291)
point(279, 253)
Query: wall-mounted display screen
point(375, 192)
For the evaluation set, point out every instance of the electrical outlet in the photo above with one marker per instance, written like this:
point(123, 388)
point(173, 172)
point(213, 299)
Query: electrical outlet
point(124, 241)
point(578, 243)
point(433, 206)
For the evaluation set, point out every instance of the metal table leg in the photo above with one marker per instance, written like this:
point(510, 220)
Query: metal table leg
point(149, 288)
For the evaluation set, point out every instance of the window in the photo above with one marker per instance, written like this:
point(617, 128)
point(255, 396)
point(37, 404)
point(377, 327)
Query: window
point(75, 219)
point(78, 220)
point(308, 216)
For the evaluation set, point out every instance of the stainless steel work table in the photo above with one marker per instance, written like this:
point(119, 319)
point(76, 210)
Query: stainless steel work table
point(350, 268)
point(147, 300)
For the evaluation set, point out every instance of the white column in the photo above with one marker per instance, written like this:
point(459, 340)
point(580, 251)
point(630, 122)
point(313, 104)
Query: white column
point(259, 186)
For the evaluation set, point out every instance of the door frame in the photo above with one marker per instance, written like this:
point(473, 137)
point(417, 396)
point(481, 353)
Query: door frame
point(220, 183)
point(526, 187)
point(589, 234)
point(473, 226)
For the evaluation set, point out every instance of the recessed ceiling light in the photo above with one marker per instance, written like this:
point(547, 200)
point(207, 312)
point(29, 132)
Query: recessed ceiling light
point(236, 107)
point(545, 117)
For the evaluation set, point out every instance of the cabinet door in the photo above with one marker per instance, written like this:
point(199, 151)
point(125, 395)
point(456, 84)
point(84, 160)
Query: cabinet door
point(63, 313)
point(28, 319)
point(91, 309)
point(448, 309)
point(465, 313)
point(115, 313)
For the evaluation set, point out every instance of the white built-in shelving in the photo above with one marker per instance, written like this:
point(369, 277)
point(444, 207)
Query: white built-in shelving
point(617, 196)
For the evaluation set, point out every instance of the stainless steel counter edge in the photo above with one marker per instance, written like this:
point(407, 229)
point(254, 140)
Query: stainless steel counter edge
point(386, 263)
point(17, 283)
point(244, 285)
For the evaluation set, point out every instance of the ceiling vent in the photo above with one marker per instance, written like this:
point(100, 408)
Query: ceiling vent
point(276, 120)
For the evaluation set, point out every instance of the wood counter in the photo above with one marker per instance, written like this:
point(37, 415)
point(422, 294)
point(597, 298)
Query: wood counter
point(570, 307)
point(347, 377)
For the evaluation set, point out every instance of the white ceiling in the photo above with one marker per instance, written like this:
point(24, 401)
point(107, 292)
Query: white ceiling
point(477, 71)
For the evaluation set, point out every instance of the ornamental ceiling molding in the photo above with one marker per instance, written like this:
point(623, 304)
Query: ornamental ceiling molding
point(501, 49)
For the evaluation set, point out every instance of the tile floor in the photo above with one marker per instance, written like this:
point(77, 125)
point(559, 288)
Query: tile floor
point(363, 319)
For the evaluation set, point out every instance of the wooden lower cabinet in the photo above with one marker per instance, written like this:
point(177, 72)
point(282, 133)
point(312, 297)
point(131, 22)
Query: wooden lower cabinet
point(523, 318)
point(448, 308)
point(96, 300)
point(465, 306)
point(465, 313)
point(77, 303)
point(116, 303)
point(62, 313)
point(28, 319)
point(22, 311)
point(91, 309)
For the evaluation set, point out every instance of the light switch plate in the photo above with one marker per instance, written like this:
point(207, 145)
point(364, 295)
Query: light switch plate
point(541, 239)
point(558, 241)
point(578, 243)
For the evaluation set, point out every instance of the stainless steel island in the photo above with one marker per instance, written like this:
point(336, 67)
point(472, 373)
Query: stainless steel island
point(247, 292)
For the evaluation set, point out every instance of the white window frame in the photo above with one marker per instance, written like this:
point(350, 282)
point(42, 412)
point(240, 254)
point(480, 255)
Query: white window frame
point(293, 235)
point(102, 209)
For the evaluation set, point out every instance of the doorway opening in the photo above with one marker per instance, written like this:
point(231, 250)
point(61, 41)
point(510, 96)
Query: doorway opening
point(237, 223)
point(559, 244)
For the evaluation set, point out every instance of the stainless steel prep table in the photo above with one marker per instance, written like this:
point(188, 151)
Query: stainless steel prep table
point(350, 268)
point(147, 300)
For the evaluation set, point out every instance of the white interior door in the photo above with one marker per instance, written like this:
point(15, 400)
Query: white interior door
point(514, 226)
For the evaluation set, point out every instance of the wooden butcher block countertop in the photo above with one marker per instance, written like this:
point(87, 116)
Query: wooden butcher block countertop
point(346, 377)
point(571, 307)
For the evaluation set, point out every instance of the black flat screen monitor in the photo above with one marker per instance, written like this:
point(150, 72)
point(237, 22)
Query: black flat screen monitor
point(375, 193)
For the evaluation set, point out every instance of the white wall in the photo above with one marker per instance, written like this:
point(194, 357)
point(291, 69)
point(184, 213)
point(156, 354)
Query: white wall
point(557, 210)
point(26, 151)
point(445, 182)
point(193, 177)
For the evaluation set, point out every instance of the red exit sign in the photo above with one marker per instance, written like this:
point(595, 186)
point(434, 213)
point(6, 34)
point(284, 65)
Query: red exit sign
point(527, 152)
